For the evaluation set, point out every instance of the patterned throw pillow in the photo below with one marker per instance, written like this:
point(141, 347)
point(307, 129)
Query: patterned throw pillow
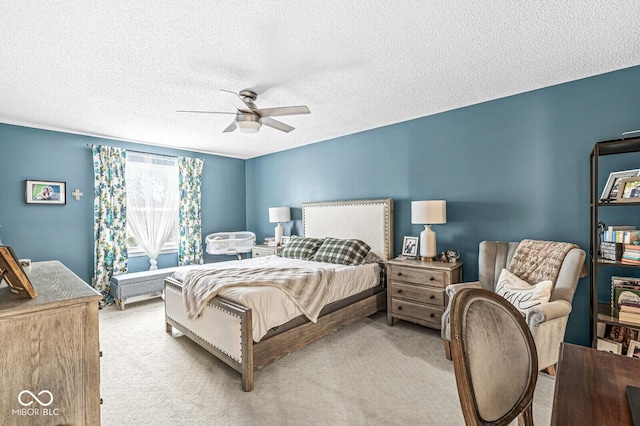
point(520, 293)
point(344, 252)
point(301, 248)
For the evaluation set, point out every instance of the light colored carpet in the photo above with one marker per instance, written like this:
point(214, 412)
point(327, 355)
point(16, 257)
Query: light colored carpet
point(366, 374)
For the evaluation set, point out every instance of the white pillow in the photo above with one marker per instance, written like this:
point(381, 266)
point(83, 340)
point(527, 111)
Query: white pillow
point(520, 293)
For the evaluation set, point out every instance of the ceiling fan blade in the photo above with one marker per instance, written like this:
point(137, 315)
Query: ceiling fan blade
point(276, 124)
point(208, 112)
point(280, 111)
point(236, 100)
point(231, 127)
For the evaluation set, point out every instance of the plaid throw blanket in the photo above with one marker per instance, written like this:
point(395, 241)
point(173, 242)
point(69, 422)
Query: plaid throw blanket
point(307, 288)
point(536, 261)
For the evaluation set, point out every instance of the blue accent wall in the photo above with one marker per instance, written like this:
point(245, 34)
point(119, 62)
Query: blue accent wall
point(512, 168)
point(65, 232)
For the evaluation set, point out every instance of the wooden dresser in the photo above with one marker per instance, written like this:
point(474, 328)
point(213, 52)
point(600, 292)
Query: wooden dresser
point(49, 351)
point(416, 290)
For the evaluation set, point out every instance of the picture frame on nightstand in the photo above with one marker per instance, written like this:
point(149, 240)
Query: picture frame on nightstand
point(410, 246)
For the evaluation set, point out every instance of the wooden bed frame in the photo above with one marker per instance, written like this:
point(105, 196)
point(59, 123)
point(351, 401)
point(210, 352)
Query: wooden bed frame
point(231, 339)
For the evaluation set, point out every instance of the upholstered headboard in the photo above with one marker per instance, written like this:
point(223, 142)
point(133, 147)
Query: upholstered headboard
point(368, 220)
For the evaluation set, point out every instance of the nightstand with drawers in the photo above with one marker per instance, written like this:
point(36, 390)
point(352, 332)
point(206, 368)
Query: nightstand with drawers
point(415, 290)
point(264, 250)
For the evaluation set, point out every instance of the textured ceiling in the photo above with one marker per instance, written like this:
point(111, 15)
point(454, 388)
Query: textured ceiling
point(121, 69)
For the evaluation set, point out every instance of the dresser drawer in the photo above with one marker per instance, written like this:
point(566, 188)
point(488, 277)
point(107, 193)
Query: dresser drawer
point(419, 276)
point(431, 296)
point(260, 253)
point(418, 311)
point(265, 251)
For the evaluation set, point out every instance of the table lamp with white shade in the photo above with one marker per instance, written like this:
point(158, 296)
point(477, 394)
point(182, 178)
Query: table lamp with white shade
point(279, 215)
point(428, 213)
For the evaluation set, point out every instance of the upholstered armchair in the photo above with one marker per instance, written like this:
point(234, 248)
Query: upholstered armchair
point(547, 321)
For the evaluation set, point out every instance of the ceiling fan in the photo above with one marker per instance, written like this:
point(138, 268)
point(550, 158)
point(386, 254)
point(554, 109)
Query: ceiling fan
point(250, 118)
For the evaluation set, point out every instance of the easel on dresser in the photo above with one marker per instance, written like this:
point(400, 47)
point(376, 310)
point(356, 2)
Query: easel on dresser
point(12, 273)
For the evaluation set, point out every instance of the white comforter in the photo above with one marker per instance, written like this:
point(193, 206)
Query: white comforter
point(270, 306)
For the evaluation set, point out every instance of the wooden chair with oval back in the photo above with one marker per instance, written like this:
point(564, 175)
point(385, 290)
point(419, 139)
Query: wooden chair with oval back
point(494, 358)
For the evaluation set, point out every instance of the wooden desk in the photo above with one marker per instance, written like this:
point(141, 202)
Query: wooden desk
point(590, 387)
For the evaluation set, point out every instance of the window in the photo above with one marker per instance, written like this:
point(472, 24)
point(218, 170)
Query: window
point(152, 204)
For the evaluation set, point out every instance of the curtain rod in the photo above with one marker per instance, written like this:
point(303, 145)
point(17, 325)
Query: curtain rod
point(90, 145)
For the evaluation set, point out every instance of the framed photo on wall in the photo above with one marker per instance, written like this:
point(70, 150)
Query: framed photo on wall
point(613, 183)
point(45, 192)
point(410, 246)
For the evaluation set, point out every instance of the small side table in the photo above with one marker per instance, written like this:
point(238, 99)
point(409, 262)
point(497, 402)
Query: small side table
point(415, 290)
point(264, 250)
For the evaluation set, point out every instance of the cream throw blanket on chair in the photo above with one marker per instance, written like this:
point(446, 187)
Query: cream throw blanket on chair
point(535, 261)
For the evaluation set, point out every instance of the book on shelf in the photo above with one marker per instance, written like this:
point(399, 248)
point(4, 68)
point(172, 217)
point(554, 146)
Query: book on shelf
point(629, 261)
point(631, 253)
point(631, 307)
point(621, 228)
point(609, 245)
point(617, 281)
point(624, 290)
point(624, 294)
point(629, 317)
point(611, 251)
point(621, 236)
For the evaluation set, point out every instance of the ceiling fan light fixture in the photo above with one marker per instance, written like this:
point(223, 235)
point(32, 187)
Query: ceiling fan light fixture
point(248, 123)
point(249, 126)
point(249, 118)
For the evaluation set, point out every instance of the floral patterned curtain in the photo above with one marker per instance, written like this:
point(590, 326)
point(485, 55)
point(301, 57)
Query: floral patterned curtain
point(109, 212)
point(190, 224)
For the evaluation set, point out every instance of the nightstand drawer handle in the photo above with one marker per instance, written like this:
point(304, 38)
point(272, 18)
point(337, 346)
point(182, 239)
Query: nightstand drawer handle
point(432, 315)
point(432, 297)
point(399, 290)
point(432, 279)
point(399, 274)
point(399, 308)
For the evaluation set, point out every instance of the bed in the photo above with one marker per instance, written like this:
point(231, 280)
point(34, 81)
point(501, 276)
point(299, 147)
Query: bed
point(228, 326)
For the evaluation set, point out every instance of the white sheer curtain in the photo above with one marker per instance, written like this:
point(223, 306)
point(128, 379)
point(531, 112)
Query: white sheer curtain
point(152, 200)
